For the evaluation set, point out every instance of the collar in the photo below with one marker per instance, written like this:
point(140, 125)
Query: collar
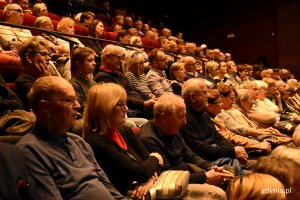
point(49, 136)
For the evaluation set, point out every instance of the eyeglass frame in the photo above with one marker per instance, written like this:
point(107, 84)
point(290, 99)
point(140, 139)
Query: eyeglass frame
point(42, 53)
point(71, 100)
point(16, 10)
point(121, 58)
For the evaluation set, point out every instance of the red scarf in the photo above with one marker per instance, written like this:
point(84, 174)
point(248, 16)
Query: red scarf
point(115, 136)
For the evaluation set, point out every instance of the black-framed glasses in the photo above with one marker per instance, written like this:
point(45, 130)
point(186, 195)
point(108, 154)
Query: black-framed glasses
point(121, 105)
point(121, 58)
point(135, 54)
point(70, 100)
point(163, 59)
point(17, 10)
point(42, 53)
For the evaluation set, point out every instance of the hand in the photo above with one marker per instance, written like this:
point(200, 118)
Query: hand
point(264, 146)
point(141, 189)
point(159, 157)
point(44, 70)
point(149, 103)
point(273, 131)
point(241, 154)
point(214, 177)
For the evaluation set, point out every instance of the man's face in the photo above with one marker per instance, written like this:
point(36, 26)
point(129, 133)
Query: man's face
point(15, 14)
point(161, 60)
point(63, 108)
point(24, 4)
point(175, 120)
point(114, 60)
point(199, 98)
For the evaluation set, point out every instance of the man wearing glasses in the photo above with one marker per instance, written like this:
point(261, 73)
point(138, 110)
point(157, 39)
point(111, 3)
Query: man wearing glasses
point(61, 164)
point(156, 77)
point(13, 14)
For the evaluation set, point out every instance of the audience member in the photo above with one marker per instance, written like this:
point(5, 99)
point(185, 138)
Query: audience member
point(52, 153)
point(25, 6)
point(40, 9)
point(134, 71)
point(35, 57)
point(117, 149)
point(14, 180)
point(96, 30)
point(83, 65)
point(200, 133)
point(255, 186)
point(13, 14)
point(284, 169)
point(111, 59)
point(159, 136)
point(156, 76)
point(177, 77)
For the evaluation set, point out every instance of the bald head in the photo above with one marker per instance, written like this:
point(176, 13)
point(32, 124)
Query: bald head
point(46, 88)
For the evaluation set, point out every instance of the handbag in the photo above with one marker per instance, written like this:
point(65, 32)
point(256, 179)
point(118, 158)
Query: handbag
point(171, 184)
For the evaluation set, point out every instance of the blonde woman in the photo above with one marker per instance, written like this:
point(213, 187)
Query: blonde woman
point(134, 71)
point(255, 186)
point(118, 150)
point(40, 9)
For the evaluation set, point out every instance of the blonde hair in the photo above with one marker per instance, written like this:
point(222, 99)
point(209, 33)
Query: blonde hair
point(254, 186)
point(41, 20)
point(174, 68)
point(64, 22)
point(287, 152)
point(38, 7)
point(102, 98)
point(131, 58)
point(135, 39)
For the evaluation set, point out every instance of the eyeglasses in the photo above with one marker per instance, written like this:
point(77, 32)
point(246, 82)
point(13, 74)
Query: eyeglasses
point(135, 54)
point(121, 105)
point(17, 10)
point(71, 100)
point(199, 93)
point(163, 59)
point(42, 53)
point(121, 58)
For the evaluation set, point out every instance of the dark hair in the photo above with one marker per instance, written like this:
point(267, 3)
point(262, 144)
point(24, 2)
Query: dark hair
point(122, 33)
point(79, 55)
point(92, 27)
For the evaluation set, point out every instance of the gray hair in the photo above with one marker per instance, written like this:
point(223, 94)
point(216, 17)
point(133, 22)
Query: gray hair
point(167, 103)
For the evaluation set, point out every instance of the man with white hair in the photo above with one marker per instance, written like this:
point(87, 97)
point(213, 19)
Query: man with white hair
point(162, 135)
point(14, 14)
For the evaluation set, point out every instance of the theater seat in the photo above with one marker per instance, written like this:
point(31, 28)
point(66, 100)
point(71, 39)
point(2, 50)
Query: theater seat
point(111, 36)
point(54, 16)
point(150, 43)
point(81, 30)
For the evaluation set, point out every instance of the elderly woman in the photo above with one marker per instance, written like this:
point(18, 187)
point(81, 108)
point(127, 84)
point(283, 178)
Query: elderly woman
point(35, 57)
point(40, 9)
point(177, 76)
point(236, 118)
point(67, 25)
point(117, 149)
point(134, 71)
point(44, 22)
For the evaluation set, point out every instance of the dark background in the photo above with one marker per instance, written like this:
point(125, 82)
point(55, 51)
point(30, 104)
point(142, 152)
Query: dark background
point(263, 30)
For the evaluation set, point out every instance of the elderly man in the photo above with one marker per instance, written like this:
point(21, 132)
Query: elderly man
point(111, 58)
point(162, 135)
point(200, 133)
point(13, 14)
point(62, 164)
point(35, 58)
point(156, 76)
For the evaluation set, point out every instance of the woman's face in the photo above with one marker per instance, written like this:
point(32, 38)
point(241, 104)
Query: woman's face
point(88, 65)
point(48, 26)
point(180, 74)
point(69, 29)
point(141, 66)
point(247, 104)
point(99, 29)
point(119, 112)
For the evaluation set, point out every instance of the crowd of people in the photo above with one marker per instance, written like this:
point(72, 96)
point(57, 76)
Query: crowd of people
point(111, 118)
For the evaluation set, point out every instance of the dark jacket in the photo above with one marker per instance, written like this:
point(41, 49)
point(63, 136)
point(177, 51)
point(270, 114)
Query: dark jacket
point(123, 167)
point(176, 154)
point(202, 137)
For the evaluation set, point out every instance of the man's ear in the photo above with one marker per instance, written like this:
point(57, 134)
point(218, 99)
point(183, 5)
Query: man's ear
point(44, 107)
point(192, 97)
point(28, 58)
